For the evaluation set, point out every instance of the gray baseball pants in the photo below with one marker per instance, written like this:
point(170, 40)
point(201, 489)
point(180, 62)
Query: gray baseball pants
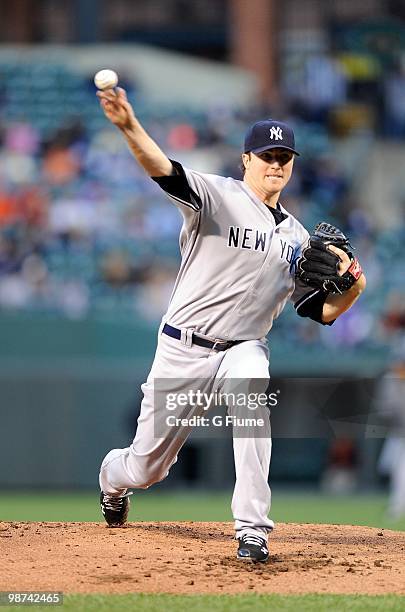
point(156, 445)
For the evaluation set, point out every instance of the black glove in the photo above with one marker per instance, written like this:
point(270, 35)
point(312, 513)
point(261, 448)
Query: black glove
point(318, 266)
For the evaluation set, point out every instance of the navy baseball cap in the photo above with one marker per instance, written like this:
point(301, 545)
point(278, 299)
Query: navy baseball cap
point(269, 134)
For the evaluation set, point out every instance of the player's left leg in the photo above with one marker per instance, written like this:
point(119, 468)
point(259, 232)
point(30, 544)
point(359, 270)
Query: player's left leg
point(244, 373)
point(162, 427)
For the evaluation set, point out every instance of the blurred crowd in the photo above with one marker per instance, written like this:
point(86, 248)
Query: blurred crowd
point(83, 232)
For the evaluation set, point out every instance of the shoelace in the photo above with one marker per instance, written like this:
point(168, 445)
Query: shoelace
point(114, 503)
point(253, 539)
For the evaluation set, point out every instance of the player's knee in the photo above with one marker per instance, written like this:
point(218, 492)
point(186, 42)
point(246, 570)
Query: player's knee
point(152, 478)
point(152, 473)
point(149, 468)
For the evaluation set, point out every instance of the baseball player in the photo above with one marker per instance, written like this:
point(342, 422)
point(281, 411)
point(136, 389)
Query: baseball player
point(243, 257)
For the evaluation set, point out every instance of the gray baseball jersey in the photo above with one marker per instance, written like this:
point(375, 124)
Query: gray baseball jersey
point(237, 268)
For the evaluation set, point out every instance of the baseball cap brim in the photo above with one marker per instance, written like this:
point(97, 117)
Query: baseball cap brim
point(275, 146)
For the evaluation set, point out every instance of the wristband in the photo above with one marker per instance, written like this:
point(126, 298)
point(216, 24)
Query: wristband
point(355, 269)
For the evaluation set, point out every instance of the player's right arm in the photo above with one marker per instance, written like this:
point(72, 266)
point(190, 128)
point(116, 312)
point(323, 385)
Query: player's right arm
point(191, 191)
point(147, 153)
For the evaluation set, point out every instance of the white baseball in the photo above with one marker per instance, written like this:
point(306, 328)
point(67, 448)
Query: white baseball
point(106, 79)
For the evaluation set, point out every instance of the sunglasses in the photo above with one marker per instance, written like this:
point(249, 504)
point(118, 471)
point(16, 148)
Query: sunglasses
point(282, 157)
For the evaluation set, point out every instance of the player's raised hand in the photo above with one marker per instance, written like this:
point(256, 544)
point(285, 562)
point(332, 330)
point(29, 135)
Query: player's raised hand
point(116, 107)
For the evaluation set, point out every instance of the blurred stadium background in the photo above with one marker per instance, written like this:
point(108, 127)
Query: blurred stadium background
point(88, 244)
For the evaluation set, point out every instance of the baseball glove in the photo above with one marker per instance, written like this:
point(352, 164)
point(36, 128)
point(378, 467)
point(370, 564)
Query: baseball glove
point(318, 266)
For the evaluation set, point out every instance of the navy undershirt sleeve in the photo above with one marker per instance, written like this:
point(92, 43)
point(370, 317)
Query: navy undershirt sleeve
point(311, 306)
point(177, 186)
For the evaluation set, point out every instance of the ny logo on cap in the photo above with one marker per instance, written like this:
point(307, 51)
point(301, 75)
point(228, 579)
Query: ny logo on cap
point(276, 133)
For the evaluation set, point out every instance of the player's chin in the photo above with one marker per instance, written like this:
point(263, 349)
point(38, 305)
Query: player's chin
point(273, 183)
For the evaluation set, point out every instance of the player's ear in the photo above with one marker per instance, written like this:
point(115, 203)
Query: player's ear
point(245, 159)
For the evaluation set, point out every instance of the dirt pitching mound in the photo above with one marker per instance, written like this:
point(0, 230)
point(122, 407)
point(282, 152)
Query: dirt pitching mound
point(195, 557)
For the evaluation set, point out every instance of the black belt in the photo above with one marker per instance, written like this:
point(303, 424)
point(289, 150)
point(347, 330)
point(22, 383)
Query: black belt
point(218, 345)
